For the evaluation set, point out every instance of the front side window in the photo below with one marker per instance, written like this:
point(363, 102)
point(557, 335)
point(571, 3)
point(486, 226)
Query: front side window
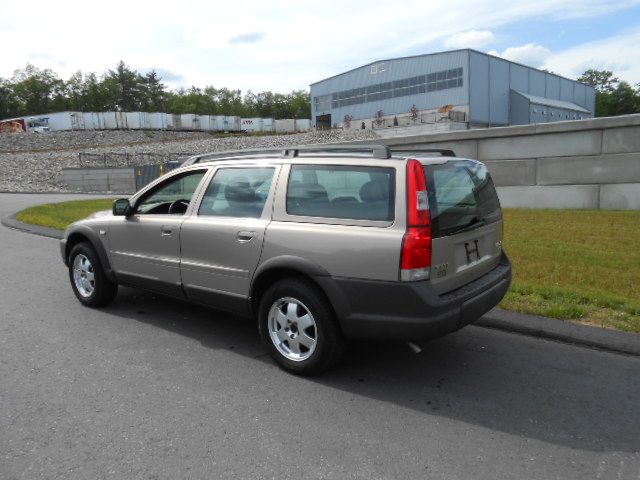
point(172, 197)
point(332, 191)
point(237, 192)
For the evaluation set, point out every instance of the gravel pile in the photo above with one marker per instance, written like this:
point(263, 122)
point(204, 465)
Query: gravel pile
point(15, 143)
point(30, 170)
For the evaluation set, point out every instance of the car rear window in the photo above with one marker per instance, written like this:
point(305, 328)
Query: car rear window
point(461, 194)
point(336, 191)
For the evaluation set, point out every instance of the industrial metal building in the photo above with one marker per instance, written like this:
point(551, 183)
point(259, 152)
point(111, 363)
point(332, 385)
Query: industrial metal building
point(449, 90)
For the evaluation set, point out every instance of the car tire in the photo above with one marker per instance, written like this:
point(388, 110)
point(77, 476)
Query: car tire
point(299, 328)
point(88, 280)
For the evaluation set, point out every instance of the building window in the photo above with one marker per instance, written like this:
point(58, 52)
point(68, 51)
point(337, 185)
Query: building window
point(398, 88)
point(322, 103)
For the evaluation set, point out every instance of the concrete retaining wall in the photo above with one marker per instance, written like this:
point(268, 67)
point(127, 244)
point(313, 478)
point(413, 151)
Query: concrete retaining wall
point(118, 180)
point(592, 164)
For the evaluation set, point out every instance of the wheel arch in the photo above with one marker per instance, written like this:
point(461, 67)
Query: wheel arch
point(287, 266)
point(85, 234)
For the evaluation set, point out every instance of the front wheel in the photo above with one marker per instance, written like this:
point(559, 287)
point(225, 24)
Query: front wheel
point(88, 280)
point(299, 328)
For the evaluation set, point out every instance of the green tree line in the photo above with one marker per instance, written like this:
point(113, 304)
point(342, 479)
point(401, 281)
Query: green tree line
point(613, 96)
point(33, 91)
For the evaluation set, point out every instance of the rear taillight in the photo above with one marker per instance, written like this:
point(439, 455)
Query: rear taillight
point(416, 245)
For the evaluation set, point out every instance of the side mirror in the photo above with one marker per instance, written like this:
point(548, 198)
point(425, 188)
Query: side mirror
point(121, 207)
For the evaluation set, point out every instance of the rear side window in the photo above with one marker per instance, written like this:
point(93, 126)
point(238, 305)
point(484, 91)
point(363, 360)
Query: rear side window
point(237, 192)
point(333, 191)
point(461, 193)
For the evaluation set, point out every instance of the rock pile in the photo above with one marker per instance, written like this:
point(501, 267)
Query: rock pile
point(34, 163)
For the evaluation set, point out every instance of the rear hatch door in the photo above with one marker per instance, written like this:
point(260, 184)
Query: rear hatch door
point(466, 223)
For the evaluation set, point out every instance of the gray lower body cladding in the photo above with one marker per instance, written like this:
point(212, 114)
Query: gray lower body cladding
point(373, 310)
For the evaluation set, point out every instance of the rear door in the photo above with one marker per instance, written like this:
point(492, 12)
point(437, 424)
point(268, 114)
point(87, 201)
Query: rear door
point(221, 242)
point(466, 223)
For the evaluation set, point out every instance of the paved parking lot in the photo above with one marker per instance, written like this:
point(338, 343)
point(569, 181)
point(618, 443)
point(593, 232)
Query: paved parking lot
point(152, 388)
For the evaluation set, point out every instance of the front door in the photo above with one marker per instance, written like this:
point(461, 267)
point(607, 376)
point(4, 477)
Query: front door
point(145, 246)
point(222, 241)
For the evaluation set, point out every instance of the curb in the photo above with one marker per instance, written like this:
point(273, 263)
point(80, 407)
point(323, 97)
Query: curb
point(15, 224)
point(530, 325)
point(563, 331)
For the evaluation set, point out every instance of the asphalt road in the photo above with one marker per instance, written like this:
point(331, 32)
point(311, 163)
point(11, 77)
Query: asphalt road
point(152, 388)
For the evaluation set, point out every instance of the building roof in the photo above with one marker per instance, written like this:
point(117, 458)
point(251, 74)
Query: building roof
point(444, 52)
point(550, 102)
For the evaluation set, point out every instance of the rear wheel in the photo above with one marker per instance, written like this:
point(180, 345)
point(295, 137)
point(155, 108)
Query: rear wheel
point(88, 280)
point(299, 328)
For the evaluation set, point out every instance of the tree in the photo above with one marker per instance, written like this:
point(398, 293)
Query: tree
point(623, 100)
point(34, 89)
point(379, 118)
point(95, 94)
point(125, 87)
point(74, 90)
point(601, 80)
point(9, 107)
point(613, 97)
point(154, 93)
point(347, 121)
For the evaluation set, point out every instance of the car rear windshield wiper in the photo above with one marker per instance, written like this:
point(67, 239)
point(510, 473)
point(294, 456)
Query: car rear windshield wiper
point(474, 223)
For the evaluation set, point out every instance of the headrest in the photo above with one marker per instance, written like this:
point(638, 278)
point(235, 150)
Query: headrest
point(239, 190)
point(374, 192)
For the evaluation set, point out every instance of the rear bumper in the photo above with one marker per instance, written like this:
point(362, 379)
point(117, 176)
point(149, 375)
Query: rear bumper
point(412, 310)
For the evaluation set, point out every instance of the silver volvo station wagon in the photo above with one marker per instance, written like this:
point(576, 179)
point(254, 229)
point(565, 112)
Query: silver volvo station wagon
point(318, 244)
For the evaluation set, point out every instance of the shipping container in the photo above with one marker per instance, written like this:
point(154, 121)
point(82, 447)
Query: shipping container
point(303, 124)
point(121, 120)
point(109, 120)
point(65, 121)
point(138, 120)
point(251, 124)
point(93, 120)
point(208, 123)
point(174, 121)
point(286, 125)
point(158, 121)
point(268, 125)
point(190, 121)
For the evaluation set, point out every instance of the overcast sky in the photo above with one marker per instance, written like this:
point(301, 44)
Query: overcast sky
point(281, 45)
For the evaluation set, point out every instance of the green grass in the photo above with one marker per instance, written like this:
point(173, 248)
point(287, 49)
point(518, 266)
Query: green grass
point(61, 215)
point(577, 265)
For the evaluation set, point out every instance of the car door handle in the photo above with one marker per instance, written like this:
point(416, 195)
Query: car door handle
point(166, 231)
point(245, 236)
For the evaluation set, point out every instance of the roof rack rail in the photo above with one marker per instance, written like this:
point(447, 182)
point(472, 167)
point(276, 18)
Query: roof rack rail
point(378, 151)
point(273, 152)
point(442, 151)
